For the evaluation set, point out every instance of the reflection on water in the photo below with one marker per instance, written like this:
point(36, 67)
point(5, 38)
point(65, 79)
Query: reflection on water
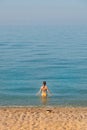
point(44, 100)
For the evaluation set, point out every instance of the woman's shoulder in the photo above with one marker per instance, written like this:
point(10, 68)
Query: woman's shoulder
point(46, 87)
point(41, 87)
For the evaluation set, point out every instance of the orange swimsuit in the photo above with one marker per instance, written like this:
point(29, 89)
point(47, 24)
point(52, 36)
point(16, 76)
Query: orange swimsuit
point(44, 94)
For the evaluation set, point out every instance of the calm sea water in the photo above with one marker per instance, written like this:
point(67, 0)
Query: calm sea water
point(29, 55)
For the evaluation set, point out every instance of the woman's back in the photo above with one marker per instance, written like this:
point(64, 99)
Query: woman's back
point(44, 91)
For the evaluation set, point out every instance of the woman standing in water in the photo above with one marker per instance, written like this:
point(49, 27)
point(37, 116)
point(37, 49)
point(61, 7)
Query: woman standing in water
point(44, 90)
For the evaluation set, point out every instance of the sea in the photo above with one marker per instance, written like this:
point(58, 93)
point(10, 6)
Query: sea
point(30, 55)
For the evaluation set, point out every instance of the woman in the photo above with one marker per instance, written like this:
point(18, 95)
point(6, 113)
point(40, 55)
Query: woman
point(44, 90)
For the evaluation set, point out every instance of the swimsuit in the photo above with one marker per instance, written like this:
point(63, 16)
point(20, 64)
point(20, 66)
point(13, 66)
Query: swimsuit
point(44, 94)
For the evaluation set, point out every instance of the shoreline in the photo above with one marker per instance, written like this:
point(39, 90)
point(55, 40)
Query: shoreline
point(43, 106)
point(43, 118)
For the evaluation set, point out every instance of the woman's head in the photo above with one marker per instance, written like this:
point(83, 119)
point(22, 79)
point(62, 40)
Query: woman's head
point(44, 83)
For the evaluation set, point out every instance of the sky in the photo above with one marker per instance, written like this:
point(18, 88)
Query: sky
point(43, 12)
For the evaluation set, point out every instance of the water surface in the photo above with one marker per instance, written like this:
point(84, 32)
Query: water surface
point(30, 54)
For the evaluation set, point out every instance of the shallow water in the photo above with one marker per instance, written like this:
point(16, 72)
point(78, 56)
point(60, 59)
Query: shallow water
point(29, 55)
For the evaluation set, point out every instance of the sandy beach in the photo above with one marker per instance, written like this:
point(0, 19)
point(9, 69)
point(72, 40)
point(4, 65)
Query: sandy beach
point(43, 118)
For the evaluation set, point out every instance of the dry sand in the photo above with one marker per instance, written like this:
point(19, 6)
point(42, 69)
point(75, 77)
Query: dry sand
point(43, 118)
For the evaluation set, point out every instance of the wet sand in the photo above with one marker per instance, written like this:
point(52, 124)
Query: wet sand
point(43, 118)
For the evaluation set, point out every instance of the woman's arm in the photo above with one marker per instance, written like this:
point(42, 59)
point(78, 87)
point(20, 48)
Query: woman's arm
point(38, 92)
point(49, 91)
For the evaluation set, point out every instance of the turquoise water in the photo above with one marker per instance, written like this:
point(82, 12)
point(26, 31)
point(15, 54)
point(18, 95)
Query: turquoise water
point(29, 55)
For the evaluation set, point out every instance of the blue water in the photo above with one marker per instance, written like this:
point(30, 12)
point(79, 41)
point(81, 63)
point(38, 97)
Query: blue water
point(31, 54)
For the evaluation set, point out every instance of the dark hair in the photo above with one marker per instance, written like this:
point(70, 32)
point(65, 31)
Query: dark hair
point(44, 83)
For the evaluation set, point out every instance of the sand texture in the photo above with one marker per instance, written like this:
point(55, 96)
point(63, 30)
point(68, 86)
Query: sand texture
point(43, 118)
